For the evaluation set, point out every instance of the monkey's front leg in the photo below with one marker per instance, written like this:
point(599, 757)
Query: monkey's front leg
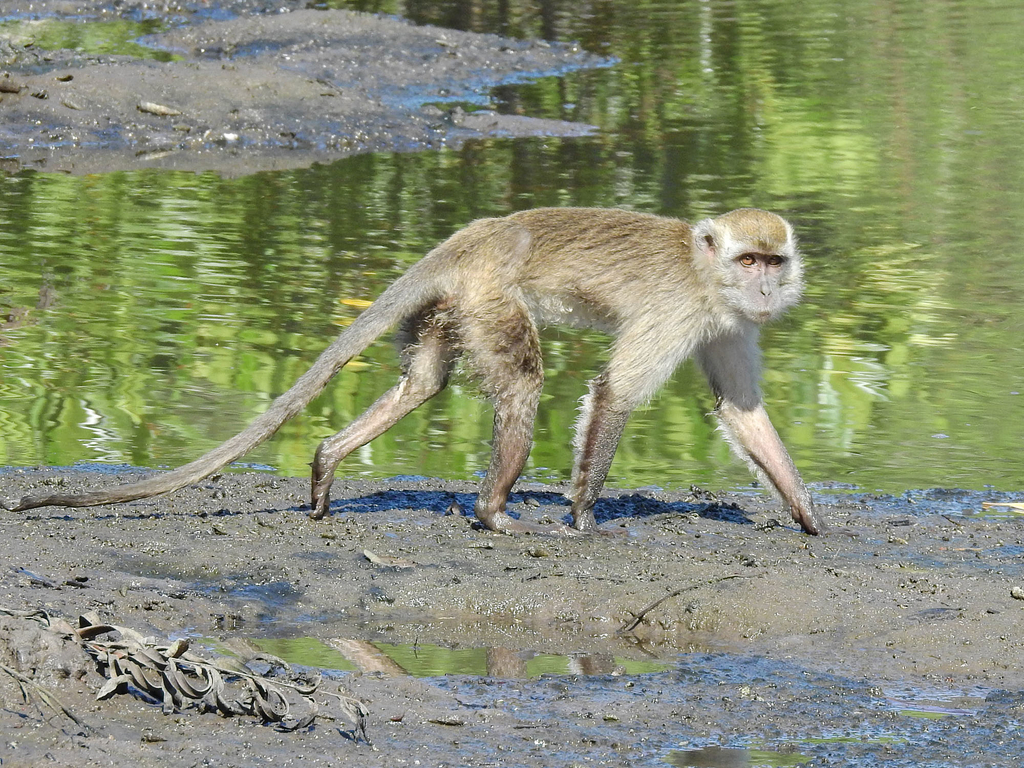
point(760, 444)
point(732, 365)
point(597, 436)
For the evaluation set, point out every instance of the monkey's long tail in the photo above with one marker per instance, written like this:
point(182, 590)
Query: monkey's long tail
point(407, 294)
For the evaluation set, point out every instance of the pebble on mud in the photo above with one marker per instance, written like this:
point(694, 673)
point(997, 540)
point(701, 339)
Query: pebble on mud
point(9, 86)
point(1017, 593)
point(158, 109)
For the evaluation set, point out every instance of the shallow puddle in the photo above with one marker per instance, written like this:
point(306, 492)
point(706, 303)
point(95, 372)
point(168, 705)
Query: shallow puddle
point(424, 660)
point(699, 709)
point(915, 701)
point(120, 37)
point(725, 757)
point(724, 710)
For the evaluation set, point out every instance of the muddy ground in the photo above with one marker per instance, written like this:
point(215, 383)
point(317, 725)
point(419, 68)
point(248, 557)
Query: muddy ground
point(795, 645)
point(260, 92)
point(804, 632)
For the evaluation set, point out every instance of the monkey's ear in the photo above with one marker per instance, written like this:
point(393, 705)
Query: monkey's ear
point(705, 239)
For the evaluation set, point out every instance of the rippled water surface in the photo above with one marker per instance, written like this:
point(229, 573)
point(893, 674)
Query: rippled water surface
point(145, 317)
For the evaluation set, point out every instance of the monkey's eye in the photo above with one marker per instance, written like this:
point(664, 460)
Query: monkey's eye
point(776, 261)
point(747, 260)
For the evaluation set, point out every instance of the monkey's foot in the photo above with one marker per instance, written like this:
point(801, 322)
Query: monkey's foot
point(320, 488)
point(811, 522)
point(586, 525)
point(500, 522)
point(320, 502)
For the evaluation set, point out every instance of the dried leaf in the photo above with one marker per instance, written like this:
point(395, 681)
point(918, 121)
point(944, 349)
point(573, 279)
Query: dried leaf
point(118, 684)
point(177, 648)
point(230, 706)
point(181, 680)
point(390, 562)
point(275, 662)
point(447, 720)
point(309, 687)
point(95, 630)
point(168, 707)
point(303, 722)
point(177, 678)
point(272, 707)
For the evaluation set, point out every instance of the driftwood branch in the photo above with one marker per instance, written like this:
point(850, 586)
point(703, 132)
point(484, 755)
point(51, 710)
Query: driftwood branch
point(639, 617)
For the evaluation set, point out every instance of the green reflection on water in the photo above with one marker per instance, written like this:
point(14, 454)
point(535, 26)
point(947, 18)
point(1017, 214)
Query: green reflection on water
point(425, 660)
point(151, 315)
point(95, 37)
point(306, 651)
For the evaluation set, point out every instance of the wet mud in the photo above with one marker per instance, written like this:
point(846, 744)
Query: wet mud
point(260, 92)
point(896, 645)
point(709, 631)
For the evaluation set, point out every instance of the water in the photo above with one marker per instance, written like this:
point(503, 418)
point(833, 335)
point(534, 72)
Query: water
point(726, 757)
point(118, 37)
point(427, 660)
point(720, 710)
point(147, 316)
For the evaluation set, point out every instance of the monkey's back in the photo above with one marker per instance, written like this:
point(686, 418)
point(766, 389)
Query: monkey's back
point(606, 266)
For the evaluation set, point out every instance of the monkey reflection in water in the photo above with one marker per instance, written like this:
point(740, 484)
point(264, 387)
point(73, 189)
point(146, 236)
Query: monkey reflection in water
point(664, 290)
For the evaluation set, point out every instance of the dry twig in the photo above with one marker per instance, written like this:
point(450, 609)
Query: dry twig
point(639, 617)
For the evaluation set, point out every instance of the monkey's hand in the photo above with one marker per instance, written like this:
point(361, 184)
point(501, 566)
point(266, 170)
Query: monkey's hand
point(320, 486)
point(320, 503)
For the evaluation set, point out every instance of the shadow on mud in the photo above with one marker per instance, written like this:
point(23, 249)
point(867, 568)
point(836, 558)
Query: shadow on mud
point(608, 509)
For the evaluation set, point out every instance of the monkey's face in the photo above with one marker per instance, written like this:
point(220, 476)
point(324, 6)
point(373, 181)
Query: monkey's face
point(755, 259)
point(762, 285)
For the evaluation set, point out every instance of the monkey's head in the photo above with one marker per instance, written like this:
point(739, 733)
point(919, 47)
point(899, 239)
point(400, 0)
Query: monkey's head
point(754, 259)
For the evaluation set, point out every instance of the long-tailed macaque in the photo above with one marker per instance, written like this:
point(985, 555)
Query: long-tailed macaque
point(664, 290)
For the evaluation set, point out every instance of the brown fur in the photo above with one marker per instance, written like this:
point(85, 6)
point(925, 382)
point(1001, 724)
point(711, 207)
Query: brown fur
point(663, 289)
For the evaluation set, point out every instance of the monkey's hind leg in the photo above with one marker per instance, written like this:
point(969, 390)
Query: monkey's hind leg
point(427, 363)
point(504, 349)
